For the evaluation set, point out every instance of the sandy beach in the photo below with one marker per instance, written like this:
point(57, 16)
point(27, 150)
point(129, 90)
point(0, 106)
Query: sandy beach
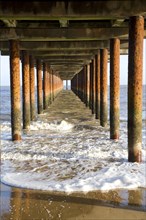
point(22, 204)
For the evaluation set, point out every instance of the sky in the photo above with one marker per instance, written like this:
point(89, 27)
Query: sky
point(5, 70)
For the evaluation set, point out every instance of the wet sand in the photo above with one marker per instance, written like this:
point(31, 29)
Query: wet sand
point(24, 204)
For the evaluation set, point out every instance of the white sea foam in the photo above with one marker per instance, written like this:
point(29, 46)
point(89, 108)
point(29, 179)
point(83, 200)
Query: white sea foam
point(5, 126)
point(62, 126)
point(81, 159)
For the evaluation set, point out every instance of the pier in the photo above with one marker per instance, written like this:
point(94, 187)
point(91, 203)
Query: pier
point(75, 41)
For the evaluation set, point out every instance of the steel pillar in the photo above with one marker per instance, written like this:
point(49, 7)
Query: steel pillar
point(103, 86)
point(26, 89)
point(135, 68)
point(15, 90)
point(88, 85)
point(91, 86)
point(114, 88)
point(45, 98)
point(39, 87)
point(97, 81)
point(32, 88)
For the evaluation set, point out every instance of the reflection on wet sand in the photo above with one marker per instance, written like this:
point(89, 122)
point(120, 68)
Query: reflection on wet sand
point(21, 204)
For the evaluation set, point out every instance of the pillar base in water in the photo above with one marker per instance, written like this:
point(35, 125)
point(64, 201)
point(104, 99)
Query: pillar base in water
point(16, 137)
point(135, 156)
point(114, 136)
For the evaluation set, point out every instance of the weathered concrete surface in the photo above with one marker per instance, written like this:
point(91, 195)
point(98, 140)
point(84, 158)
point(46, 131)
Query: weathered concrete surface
point(135, 68)
point(58, 45)
point(103, 87)
point(114, 88)
point(15, 90)
point(62, 34)
point(26, 89)
point(70, 10)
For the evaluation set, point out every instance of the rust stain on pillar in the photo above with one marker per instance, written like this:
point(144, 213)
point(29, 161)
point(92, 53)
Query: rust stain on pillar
point(45, 99)
point(103, 86)
point(114, 88)
point(39, 87)
point(135, 66)
point(15, 90)
point(26, 89)
point(32, 88)
point(97, 81)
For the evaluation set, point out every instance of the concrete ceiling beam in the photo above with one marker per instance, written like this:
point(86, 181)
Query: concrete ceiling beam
point(58, 45)
point(10, 23)
point(56, 10)
point(66, 58)
point(62, 34)
point(63, 53)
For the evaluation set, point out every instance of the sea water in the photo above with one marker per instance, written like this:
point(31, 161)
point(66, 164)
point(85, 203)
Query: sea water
point(67, 150)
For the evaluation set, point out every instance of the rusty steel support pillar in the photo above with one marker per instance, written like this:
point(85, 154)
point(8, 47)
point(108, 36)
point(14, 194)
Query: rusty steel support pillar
point(114, 88)
point(26, 89)
point(15, 90)
point(103, 86)
point(52, 78)
point(49, 86)
point(135, 68)
point(45, 98)
point(97, 81)
point(91, 86)
point(32, 87)
point(85, 84)
point(88, 85)
point(39, 87)
point(66, 84)
point(77, 84)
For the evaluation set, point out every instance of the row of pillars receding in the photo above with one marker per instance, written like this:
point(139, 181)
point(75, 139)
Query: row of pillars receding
point(91, 86)
point(49, 84)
